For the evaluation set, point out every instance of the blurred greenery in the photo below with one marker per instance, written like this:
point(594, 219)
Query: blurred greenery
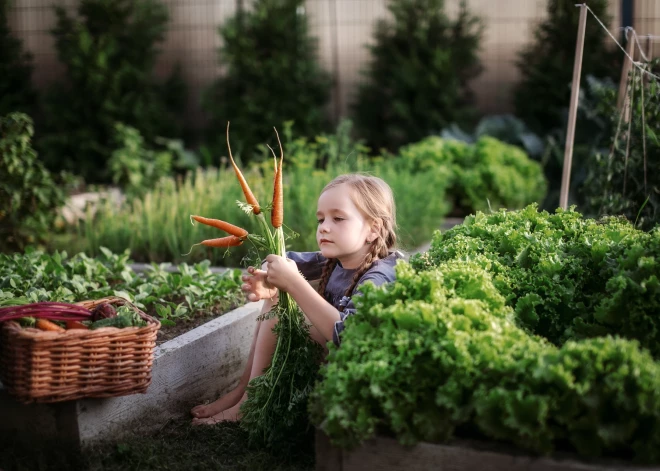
point(624, 178)
point(417, 82)
point(109, 49)
point(16, 91)
point(30, 193)
point(156, 227)
point(272, 76)
point(488, 174)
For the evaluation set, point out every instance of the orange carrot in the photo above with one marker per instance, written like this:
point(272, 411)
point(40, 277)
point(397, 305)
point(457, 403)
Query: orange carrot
point(75, 325)
point(222, 225)
point(249, 196)
point(222, 242)
point(45, 324)
point(277, 213)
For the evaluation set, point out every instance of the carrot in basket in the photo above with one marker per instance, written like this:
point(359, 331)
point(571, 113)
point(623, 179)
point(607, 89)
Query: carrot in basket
point(222, 225)
point(70, 325)
point(249, 196)
point(277, 214)
point(45, 324)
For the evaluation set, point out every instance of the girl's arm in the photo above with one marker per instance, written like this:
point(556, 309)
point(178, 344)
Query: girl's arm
point(284, 275)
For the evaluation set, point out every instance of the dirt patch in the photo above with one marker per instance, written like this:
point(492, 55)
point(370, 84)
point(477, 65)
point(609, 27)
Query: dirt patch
point(181, 326)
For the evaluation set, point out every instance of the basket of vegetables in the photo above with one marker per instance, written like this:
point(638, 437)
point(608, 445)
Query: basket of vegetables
point(51, 352)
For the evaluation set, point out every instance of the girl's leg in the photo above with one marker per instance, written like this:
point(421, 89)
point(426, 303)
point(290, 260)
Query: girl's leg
point(262, 353)
point(264, 347)
point(232, 397)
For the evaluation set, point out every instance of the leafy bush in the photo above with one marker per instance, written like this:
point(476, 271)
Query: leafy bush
point(163, 213)
point(31, 194)
point(109, 50)
point(622, 179)
point(192, 292)
point(417, 82)
point(542, 97)
point(272, 76)
point(506, 128)
point(16, 92)
point(137, 169)
point(486, 174)
point(566, 277)
point(437, 354)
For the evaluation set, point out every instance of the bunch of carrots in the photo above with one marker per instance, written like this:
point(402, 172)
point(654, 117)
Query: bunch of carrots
point(267, 413)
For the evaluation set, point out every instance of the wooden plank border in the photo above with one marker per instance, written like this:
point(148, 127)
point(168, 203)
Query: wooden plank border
point(386, 454)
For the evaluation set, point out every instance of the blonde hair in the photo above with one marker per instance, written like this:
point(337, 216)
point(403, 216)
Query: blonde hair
point(375, 200)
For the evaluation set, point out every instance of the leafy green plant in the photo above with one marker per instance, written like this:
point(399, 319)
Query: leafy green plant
point(506, 128)
point(487, 174)
point(272, 76)
point(417, 82)
point(191, 291)
point(623, 179)
point(566, 277)
point(136, 168)
point(16, 91)
point(438, 354)
point(30, 192)
point(541, 99)
point(109, 50)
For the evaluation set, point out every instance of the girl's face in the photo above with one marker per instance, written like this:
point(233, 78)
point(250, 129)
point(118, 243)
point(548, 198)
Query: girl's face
point(343, 231)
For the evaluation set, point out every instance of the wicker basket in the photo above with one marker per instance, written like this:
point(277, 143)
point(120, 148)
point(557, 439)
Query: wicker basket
point(39, 366)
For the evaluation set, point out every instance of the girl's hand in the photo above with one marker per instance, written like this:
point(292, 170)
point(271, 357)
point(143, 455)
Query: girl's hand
point(256, 287)
point(282, 272)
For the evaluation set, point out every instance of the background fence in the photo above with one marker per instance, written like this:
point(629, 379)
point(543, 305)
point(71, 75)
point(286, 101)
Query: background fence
point(343, 29)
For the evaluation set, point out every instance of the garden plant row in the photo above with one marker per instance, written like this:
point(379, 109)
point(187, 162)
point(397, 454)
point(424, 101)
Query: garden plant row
point(534, 329)
point(191, 293)
point(463, 176)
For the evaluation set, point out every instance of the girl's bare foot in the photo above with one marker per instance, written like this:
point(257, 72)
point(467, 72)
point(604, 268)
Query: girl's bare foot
point(219, 405)
point(232, 414)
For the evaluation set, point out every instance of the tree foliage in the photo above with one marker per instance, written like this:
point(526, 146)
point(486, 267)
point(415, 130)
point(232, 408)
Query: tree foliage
point(418, 80)
point(272, 76)
point(109, 50)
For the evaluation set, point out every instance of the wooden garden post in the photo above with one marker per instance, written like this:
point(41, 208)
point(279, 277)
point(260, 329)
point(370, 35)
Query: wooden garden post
point(625, 71)
point(572, 113)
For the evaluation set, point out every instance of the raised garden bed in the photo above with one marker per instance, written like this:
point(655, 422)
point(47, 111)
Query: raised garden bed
point(386, 454)
point(196, 366)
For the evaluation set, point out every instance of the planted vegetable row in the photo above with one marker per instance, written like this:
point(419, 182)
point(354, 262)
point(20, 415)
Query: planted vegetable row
point(510, 329)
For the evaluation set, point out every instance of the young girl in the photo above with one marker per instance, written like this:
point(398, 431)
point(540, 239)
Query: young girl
point(356, 234)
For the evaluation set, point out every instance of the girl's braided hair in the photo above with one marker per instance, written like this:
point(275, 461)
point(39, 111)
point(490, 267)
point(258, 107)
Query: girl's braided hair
point(374, 199)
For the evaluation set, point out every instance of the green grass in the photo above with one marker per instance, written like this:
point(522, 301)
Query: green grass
point(177, 446)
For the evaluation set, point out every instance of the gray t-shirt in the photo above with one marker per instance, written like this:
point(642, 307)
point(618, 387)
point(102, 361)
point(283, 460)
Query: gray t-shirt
point(311, 265)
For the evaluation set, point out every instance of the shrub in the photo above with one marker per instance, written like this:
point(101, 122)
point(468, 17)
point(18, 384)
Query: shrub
point(437, 354)
point(566, 277)
point(542, 97)
point(622, 179)
point(272, 76)
point(486, 174)
point(137, 168)
point(16, 92)
point(29, 190)
point(109, 50)
point(417, 82)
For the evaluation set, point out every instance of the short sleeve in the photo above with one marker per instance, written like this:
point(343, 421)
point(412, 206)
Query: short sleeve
point(310, 264)
point(347, 307)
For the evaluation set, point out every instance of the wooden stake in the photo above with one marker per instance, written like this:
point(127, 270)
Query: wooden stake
point(572, 113)
point(625, 71)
